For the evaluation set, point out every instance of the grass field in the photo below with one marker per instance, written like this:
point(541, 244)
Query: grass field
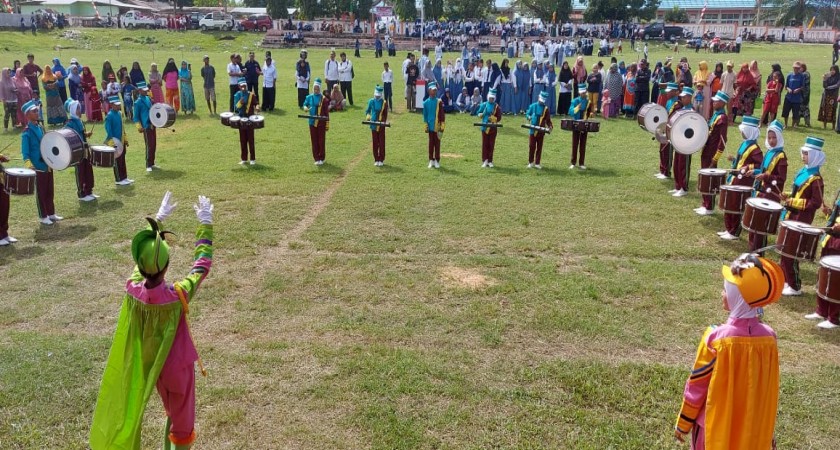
point(353, 307)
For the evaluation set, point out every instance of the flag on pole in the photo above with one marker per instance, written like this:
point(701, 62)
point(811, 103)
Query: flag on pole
point(93, 2)
point(703, 11)
point(8, 6)
point(811, 23)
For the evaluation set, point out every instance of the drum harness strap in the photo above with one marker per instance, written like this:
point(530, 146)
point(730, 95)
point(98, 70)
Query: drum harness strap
point(186, 309)
point(831, 219)
point(797, 194)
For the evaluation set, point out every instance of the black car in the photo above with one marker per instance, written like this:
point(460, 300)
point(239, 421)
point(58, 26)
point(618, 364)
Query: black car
point(655, 31)
point(192, 20)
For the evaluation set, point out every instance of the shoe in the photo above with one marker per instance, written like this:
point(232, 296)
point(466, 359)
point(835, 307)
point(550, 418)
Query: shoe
point(814, 316)
point(703, 211)
point(437, 164)
point(155, 166)
point(489, 164)
point(582, 167)
point(571, 167)
point(87, 198)
point(4, 242)
point(94, 195)
point(148, 169)
point(253, 162)
point(827, 325)
point(55, 218)
point(729, 237)
point(431, 164)
point(11, 239)
point(530, 165)
point(721, 233)
point(680, 193)
point(243, 162)
point(791, 292)
point(660, 176)
point(46, 221)
point(484, 164)
point(537, 166)
point(673, 191)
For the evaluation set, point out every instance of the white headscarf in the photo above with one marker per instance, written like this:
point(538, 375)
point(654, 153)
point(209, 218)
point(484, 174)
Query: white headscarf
point(749, 132)
point(780, 140)
point(738, 308)
point(73, 109)
point(816, 158)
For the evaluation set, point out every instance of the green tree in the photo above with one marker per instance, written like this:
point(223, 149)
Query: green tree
point(278, 9)
point(180, 4)
point(406, 9)
point(255, 3)
point(309, 9)
point(467, 9)
point(599, 11)
point(799, 12)
point(545, 9)
point(676, 15)
point(433, 9)
point(206, 3)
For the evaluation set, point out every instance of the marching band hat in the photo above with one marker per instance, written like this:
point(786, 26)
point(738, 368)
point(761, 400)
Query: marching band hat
point(242, 81)
point(721, 97)
point(150, 250)
point(759, 280)
point(671, 87)
point(377, 91)
point(114, 100)
point(582, 87)
point(492, 93)
point(31, 104)
point(431, 86)
point(750, 121)
point(687, 91)
point(776, 125)
point(543, 96)
point(317, 83)
point(142, 86)
point(813, 143)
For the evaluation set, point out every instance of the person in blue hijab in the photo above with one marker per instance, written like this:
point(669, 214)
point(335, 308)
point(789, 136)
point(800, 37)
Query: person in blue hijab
point(60, 74)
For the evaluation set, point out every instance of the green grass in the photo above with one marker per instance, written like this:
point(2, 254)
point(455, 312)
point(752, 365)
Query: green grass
point(454, 308)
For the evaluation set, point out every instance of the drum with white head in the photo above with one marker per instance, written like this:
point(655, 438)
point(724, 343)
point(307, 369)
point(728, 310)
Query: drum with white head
point(687, 131)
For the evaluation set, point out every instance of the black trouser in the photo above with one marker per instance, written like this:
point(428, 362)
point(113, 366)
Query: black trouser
point(268, 99)
point(62, 92)
point(254, 87)
point(302, 93)
point(357, 54)
point(233, 89)
point(330, 84)
point(347, 90)
point(641, 99)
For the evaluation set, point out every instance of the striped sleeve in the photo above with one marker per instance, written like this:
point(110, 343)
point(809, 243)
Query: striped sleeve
point(697, 385)
point(203, 261)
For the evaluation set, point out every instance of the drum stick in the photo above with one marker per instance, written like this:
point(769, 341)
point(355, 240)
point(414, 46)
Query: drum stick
point(373, 122)
point(304, 116)
point(764, 249)
point(491, 125)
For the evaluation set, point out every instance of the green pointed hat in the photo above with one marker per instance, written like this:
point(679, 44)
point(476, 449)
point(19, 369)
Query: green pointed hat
point(150, 250)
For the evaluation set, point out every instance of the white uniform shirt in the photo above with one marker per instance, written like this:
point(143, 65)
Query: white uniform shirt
point(388, 76)
point(331, 70)
point(269, 74)
point(345, 70)
point(233, 68)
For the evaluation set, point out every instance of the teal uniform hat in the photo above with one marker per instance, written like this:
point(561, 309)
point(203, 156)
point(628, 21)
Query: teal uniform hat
point(750, 121)
point(114, 100)
point(687, 91)
point(242, 81)
point(721, 96)
point(31, 104)
point(316, 83)
point(492, 93)
point(431, 86)
point(582, 87)
point(671, 87)
point(150, 250)
point(142, 86)
point(377, 91)
point(543, 96)
point(776, 125)
point(813, 143)
point(67, 104)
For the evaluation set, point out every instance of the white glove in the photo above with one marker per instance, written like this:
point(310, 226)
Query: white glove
point(204, 210)
point(166, 207)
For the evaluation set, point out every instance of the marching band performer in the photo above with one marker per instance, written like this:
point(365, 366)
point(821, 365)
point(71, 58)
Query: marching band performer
point(538, 116)
point(152, 346)
point(715, 145)
point(30, 148)
point(671, 105)
point(377, 110)
point(771, 176)
point(5, 238)
point(435, 120)
point(114, 131)
point(491, 112)
point(682, 163)
point(144, 126)
point(827, 312)
point(317, 104)
point(84, 170)
point(802, 203)
point(244, 103)
point(576, 111)
point(743, 163)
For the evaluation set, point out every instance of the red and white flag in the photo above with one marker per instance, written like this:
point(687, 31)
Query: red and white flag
point(703, 11)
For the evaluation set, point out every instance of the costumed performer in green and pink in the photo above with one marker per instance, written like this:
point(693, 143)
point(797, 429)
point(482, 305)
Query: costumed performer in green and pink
point(152, 345)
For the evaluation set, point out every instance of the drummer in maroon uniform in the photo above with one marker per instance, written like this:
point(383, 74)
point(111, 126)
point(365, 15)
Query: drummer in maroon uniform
point(771, 176)
point(682, 163)
point(244, 103)
point(802, 203)
point(743, 163)
point(672, 105)
point(5, 239)
point(827, 312)
point(715, 144)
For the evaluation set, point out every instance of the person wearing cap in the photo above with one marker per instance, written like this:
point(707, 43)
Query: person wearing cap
point(377, 110)
point(244, 103)
point(794, 86)
point(771, 176)
point(489, 112)
point(434, 118)
point(30, 148)
point(5, 203)
point(269, 72)
point(208, 74)
point(682, 163)
point(731, 396)
point(152, 346)
point(714, 146)
point(114, 132)
point(538, 116)
point(576, 112)
point(84, 169)
point(670, 100)
point(745, 161)
point(827, 312)
point(144, 126)
point(302, 74)
point(802, 203)
point(317, 104)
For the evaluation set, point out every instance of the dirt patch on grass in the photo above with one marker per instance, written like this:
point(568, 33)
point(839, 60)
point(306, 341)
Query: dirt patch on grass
point(466, 278)
point(451, 155)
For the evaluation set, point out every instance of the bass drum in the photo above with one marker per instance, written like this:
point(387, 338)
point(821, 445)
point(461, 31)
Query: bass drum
point(688, 131)
point(162, 115)
point(61, 149)
point(650, 116)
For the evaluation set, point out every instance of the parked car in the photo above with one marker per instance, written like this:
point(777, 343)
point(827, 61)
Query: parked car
point(259, 22)
point(216, 21)
point(134, 19)
point(193, 20)
point(654, 31)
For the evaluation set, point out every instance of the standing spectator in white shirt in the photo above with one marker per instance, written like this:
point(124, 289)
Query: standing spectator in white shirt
point(234, 72)
point(331, 71)
point(269, 71)
point(345, 77)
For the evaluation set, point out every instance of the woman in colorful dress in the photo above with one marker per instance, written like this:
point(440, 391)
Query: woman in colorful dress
point(156, 84)
point(56, 115)
point(828, 104)
point(629, 103)
point(24, 94)
point(745, 88)
point(127, 89)
point(772, 98)
point(614, 83)
point(93, 101)
point(9, 98)
point(187, 94)
point(170, 80)
point(702, 88)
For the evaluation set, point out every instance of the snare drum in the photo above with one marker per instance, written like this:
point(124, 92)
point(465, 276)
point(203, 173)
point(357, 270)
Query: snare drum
point(687, 131)
point(797, 240)
point(225, 116)
point(709, 181)
point(568, 124)
point(651, 115)
point(234, 122)
point(590, 126)
point(102, 155)
point(828, 278)
point(20, 181)
point(61, 149)
point(246, 124)
point(733, 199)
point(761, 216)
point(162, 115)
point(257, 121)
